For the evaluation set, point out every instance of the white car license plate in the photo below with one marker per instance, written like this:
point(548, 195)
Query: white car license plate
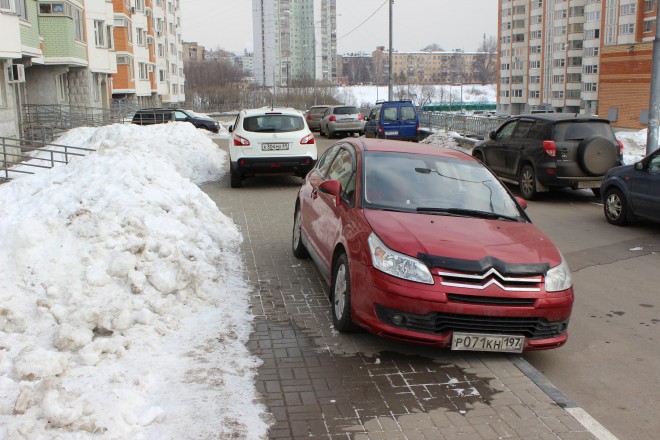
point(486, 342)
point(391, 133)
point(274, 147)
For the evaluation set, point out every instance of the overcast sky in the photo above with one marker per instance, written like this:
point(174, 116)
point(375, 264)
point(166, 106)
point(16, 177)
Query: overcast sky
point(452, 24)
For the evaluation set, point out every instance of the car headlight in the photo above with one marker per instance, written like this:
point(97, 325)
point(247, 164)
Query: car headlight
point(558, 278)
point(396, 264)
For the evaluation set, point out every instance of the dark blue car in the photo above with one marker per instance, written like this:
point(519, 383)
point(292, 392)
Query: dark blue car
point(633, 191)
point(393, 120)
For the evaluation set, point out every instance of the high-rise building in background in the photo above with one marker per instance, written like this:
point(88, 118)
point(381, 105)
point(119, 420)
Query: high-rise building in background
point(294, 40)
point(577, 56)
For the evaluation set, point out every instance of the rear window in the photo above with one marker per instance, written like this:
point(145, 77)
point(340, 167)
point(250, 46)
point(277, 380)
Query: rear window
point(572, 130)
point(273, 123)
point(408, 114)
point(346, 111)
point(317, 111)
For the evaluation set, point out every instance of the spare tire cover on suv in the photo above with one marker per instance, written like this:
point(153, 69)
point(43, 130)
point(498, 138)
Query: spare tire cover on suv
point(597, 154)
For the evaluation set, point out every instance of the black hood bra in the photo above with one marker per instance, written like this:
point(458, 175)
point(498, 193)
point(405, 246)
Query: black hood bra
point(483, 265)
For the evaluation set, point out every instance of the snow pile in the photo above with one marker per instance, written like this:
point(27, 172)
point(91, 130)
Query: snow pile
point(442, 138)
point(123, 310)
point(634, 145)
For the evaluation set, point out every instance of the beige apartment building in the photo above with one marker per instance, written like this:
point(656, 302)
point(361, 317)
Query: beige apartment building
point(577, 56)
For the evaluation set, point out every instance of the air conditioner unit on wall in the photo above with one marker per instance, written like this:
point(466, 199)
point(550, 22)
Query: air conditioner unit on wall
point(16, 73)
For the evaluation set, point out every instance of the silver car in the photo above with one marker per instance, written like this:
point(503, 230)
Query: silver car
point(314, 115)
point(344, 119)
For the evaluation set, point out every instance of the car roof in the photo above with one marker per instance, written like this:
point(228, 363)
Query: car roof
point(392, 146)
point(265, 110)
point(553, 117)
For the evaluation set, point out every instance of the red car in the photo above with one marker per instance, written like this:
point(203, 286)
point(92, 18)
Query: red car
point(424, 244)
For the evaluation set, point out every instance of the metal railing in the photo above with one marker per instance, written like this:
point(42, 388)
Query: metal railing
point(464, 124)
point(18, 156)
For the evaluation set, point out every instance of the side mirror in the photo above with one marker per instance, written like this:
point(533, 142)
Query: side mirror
point(230, 129)
point(639, 166)
point(332, 187)
point(492, 135)
point(521, 202)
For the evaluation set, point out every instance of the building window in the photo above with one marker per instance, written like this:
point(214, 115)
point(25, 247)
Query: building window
point(628, 9)
point(536, 34)
point(505, 80)
point(627, 29)
point(504, 93)
point(559, 47)
point(591, 51)
point(563, 13)
point(140, 35)
point(143, 72)
point(558, 94)
point(537, 19)
point(54, 8)
point(535, 79)
point(139, 5)
point(558, 62)
point(534, 94)
point(99, 33)
point(649, 25)
point(649, 5)
point(62, 87)
point(505, 26)
point(592, 34)
point(590, 69)
point(558, 79)
point(535, 64)
point(592, 16)
point(517, 93)
point(506, 39)
point(574, 78)
point(560, 30)
point(96, 87)
point(78, 24)
point(109, 37)
point(518, 38)
point(590, 87)
point(505, 66)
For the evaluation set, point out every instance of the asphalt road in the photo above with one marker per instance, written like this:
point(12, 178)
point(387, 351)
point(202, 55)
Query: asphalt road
point(610, 365)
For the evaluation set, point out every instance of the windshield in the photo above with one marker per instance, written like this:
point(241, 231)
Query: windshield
point(435, 185)
point(273, 123)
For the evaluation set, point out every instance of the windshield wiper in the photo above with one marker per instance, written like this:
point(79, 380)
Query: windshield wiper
point(466, 213)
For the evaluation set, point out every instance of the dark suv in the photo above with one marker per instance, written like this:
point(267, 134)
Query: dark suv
point(149, 116)
point(553, 150)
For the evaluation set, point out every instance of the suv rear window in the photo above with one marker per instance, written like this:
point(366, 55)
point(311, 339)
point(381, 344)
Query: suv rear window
point(273, 123)
point(570, 130)
point(317, 110)
point(346, 111)
point(408, 114)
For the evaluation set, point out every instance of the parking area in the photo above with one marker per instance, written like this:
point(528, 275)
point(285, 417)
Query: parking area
point(318, 383)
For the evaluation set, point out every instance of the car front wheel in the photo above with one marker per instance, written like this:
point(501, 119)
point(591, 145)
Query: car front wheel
point(528, 183)
point(299, 250)
point(341, 296)
point(615, 207)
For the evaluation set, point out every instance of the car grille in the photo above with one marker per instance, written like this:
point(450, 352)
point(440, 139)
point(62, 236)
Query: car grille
point(491, 300)
point(491, 277)
point(439, 323)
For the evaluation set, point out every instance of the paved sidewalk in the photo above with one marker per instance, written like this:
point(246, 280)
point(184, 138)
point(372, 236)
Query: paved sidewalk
point(320, 384)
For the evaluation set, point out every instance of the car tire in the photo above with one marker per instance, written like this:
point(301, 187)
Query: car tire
point(340, 295)
point(361, 133)
point(299, 249)
point(615, 207)
point(235, 179)
point(330, 134)
point(321, 133)
point(597, 154)
point(527, 182)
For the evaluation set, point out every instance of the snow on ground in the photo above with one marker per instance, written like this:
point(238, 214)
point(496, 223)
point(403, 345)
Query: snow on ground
point(123, 308)
point(366, 96)
point(634, 145)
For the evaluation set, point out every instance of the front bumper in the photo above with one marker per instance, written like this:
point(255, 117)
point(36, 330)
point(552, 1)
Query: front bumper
point(429, 314)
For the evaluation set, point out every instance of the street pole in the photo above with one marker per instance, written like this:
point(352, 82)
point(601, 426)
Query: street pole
point(654, 100)
point(314, 52)
point(390, 90)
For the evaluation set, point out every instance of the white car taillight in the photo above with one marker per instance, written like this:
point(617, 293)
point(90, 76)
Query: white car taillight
point(307, 140)
point(240, 141)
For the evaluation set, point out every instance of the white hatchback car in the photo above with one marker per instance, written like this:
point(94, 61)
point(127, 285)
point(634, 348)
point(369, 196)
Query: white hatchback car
point(270, 140)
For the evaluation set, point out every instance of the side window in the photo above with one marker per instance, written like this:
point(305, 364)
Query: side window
point(343, 169)
point(180, 116)
point(374, 114)
point(654, 164)
point(389, 114)
point(408, 114)
point(522, 129)
point(506, 131)
point(324, 162)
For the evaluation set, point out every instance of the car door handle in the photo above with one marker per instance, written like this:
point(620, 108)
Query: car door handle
point(314, 194)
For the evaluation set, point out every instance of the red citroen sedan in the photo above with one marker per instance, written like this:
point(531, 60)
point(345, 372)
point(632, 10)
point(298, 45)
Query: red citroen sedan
point(422, 243)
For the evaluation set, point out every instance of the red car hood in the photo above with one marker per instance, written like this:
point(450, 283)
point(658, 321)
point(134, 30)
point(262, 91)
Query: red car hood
point(462, 238)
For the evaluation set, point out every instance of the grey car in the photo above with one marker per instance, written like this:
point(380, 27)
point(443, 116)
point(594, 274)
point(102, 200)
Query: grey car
point(345, 119)
point(314, 115)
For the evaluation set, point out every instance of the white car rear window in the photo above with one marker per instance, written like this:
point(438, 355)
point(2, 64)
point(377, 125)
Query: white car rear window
point(273, 123)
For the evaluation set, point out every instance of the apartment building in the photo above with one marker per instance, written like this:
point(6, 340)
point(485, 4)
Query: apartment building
point(576, 56)
point(294, 40)
point(432, 67)
point(88, 53)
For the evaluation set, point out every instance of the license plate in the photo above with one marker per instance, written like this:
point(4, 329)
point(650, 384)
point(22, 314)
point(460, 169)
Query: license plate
point(391, 133)
point(274, 147)
point(485, 342)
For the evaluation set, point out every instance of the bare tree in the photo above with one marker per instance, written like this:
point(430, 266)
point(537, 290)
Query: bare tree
point(484, 65)
point(426, 94)
point(433, 47)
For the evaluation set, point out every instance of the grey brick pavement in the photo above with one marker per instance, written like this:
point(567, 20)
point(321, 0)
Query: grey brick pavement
point(320, 384)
